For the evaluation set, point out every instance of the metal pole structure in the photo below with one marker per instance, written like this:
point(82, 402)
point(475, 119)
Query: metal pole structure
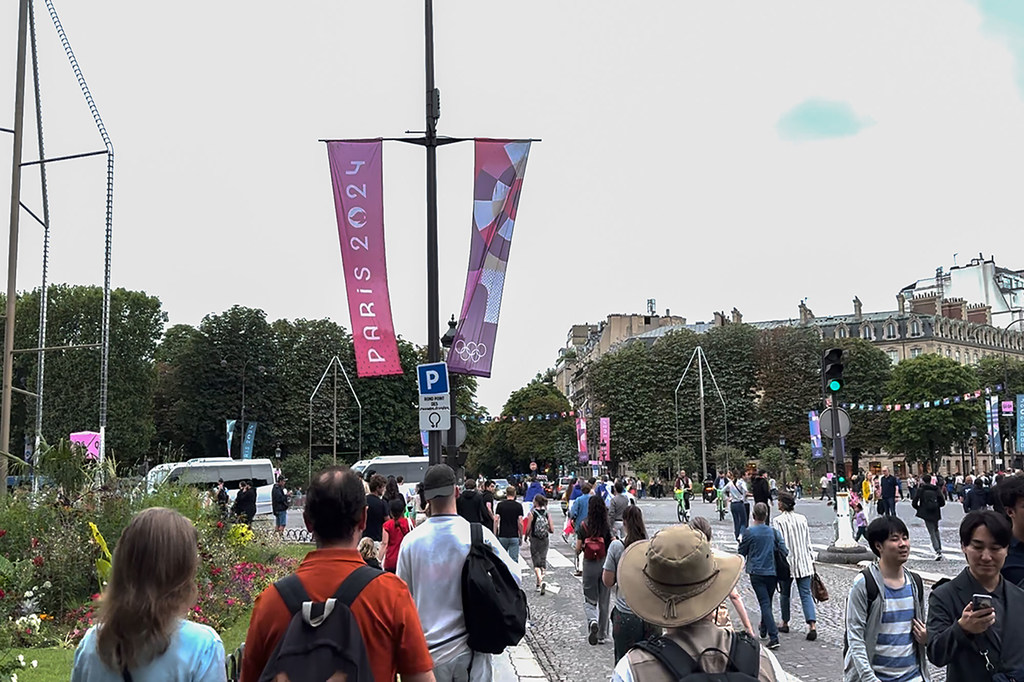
point(433, 112)
point(678, 386)
point(12, 251)
point(335, 363)
point(43, 292)
point(725, 410)
point(334, 439)
point(703, 435)
point(1006, 383)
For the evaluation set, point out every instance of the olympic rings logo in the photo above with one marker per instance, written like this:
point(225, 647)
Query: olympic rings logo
point(470, 351)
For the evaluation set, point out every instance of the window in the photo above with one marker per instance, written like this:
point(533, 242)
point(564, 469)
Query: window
point(958, 357)
point(975, 357)
point(841, 332)
point(915, 352)
point(915, 328)
point(894, 356)
point(948, 352)
point(865, 333)
point(890, 331)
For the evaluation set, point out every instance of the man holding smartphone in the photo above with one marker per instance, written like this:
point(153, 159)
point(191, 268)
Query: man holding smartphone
point(885, 629)
point(975, 620)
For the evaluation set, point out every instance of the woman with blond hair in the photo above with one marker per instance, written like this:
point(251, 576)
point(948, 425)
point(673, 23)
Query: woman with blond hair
point(142, 633)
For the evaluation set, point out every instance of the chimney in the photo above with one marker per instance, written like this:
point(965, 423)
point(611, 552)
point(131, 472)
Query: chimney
point(857, 307)
point(737, 317)
point(805, 313)
point(719, 319)
point(668, 313)
point(901, 301)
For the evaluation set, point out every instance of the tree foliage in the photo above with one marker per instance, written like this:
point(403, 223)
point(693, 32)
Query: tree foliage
point(922, 434)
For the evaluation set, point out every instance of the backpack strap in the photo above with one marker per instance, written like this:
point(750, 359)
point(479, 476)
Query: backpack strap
point(919, 584)
point(351, 586)
point(476, 535)
point(671, 655)
point(292, 593)
point(745, 654)
point(870, 584)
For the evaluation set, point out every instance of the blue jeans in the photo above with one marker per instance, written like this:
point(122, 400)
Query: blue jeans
point(511, 546)
point(803, 586)
point(889, 506)
point(738, 510)
point(764, 588)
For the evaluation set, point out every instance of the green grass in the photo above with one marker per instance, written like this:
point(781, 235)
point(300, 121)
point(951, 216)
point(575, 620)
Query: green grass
point(55, 663)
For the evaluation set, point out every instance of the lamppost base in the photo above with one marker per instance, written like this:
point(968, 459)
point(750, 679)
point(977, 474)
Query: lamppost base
point(835, 554)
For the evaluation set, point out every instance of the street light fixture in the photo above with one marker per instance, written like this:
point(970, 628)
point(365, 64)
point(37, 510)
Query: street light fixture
point(261, 370)
point(451, 449)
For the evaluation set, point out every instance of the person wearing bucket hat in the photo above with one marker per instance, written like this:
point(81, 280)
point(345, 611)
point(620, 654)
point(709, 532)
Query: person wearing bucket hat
point(676, 581)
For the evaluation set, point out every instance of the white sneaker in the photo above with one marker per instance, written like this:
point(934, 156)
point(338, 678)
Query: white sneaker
point(938, 557)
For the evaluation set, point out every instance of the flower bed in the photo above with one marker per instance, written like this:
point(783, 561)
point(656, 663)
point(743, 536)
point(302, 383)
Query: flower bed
point(54, 561)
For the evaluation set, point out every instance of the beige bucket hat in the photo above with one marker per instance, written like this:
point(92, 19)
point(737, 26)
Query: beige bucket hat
point(676, 578)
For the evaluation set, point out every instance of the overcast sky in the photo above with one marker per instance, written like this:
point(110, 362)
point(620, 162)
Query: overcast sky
point(707, 154)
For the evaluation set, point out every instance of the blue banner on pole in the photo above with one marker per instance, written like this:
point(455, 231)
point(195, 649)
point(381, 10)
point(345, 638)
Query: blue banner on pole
point(1020, 421)
point(230, 424)
point(817, 452)
point(250, 438)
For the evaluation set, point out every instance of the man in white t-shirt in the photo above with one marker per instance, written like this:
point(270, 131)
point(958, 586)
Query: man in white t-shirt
point(430, 562)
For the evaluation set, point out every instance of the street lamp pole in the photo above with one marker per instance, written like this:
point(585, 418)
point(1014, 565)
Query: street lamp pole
point(1006, 374)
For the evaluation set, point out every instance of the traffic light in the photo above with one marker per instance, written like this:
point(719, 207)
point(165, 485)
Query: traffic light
point(832, 369)
point(842, 481)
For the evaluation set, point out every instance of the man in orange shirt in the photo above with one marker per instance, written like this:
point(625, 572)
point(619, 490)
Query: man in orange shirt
point(335, 514)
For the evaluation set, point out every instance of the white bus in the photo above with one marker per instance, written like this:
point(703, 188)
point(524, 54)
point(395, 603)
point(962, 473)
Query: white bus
point(204, 472)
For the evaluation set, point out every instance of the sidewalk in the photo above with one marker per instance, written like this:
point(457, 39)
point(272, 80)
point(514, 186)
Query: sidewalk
point(518, 664)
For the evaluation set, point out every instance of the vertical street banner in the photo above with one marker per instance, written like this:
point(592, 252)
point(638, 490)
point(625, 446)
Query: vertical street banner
point(357, 176)
point(425, 442)
point(498, 181)
point(1020, 421)
point(817, 452)
point(995, 442)
point(605, 445)
point(230, 423)
point(250, 439)
point(581, 439)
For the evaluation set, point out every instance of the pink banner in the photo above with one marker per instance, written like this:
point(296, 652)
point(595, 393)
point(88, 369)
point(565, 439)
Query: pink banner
point(498, 180)
point(605, 446)
point(581, 438)
point(358, 179)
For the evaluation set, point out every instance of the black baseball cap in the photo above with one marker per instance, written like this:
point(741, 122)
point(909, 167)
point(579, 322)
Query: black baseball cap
point(439, 481)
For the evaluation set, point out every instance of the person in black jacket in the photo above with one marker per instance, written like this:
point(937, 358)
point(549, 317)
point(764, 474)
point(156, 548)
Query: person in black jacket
point(761, 492)
point(928, 502)
point(974, 645)
point(279, 503)
point(245, 503)
point(470, 504)
point(975, 495)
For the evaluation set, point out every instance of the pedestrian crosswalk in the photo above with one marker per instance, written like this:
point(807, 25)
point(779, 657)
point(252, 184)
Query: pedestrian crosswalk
point(919, 553)
point(555, 560)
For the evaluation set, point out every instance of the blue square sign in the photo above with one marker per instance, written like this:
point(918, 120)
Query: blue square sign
point(432, 378)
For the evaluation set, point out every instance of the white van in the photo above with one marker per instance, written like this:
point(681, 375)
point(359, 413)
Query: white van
point(204, 473)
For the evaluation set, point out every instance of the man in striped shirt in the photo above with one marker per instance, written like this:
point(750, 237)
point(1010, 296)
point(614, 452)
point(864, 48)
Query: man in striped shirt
point(886, 635)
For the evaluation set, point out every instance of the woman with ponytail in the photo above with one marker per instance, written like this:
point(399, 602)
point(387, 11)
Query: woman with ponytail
point(142, 633)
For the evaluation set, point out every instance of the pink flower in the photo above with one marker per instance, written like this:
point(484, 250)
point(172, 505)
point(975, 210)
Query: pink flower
point(230, 602)
point(35, 543)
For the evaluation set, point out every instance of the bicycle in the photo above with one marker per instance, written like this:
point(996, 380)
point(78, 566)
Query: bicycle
point(682, 504)
point(720, 504)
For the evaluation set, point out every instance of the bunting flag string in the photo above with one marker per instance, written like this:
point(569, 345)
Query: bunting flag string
point(924, 404)
point(486, 418)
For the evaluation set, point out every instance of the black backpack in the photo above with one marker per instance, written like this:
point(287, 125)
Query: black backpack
point(744, 660)
point(872, 589)
point(492, 602)
point(323, 638)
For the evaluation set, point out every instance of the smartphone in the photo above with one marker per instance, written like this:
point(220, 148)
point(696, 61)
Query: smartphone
point(981, 601)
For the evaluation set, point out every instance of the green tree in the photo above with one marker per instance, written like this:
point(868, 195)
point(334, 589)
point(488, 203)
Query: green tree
point(925, 434)
point(72, 382)
point(727, 458)
point(788, 363)
point(775, 461)
point(732, 355)
point(509, 446)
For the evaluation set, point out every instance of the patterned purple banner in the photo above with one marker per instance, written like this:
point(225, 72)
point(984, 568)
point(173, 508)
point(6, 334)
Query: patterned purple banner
point(500, 167)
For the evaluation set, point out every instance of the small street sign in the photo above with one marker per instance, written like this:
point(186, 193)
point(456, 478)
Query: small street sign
point(435, 401)
point(825, 422)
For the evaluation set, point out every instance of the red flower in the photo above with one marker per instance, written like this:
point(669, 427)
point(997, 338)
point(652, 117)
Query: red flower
point(37, 560)
point(2, 532)
point(2, 594)
point(220, 524)
point(35, 543)
point(95, 597)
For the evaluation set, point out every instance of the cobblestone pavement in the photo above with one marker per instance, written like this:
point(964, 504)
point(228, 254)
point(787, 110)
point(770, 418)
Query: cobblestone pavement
point(557, 634)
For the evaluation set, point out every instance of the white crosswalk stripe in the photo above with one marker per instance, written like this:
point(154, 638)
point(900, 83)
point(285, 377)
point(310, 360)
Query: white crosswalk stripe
point(555, 560)
point(953, 553)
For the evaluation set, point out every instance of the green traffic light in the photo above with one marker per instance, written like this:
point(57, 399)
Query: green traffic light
point(834, 385)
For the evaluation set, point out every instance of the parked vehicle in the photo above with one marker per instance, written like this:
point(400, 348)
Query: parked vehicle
point(204, 472)
point(410, 468)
